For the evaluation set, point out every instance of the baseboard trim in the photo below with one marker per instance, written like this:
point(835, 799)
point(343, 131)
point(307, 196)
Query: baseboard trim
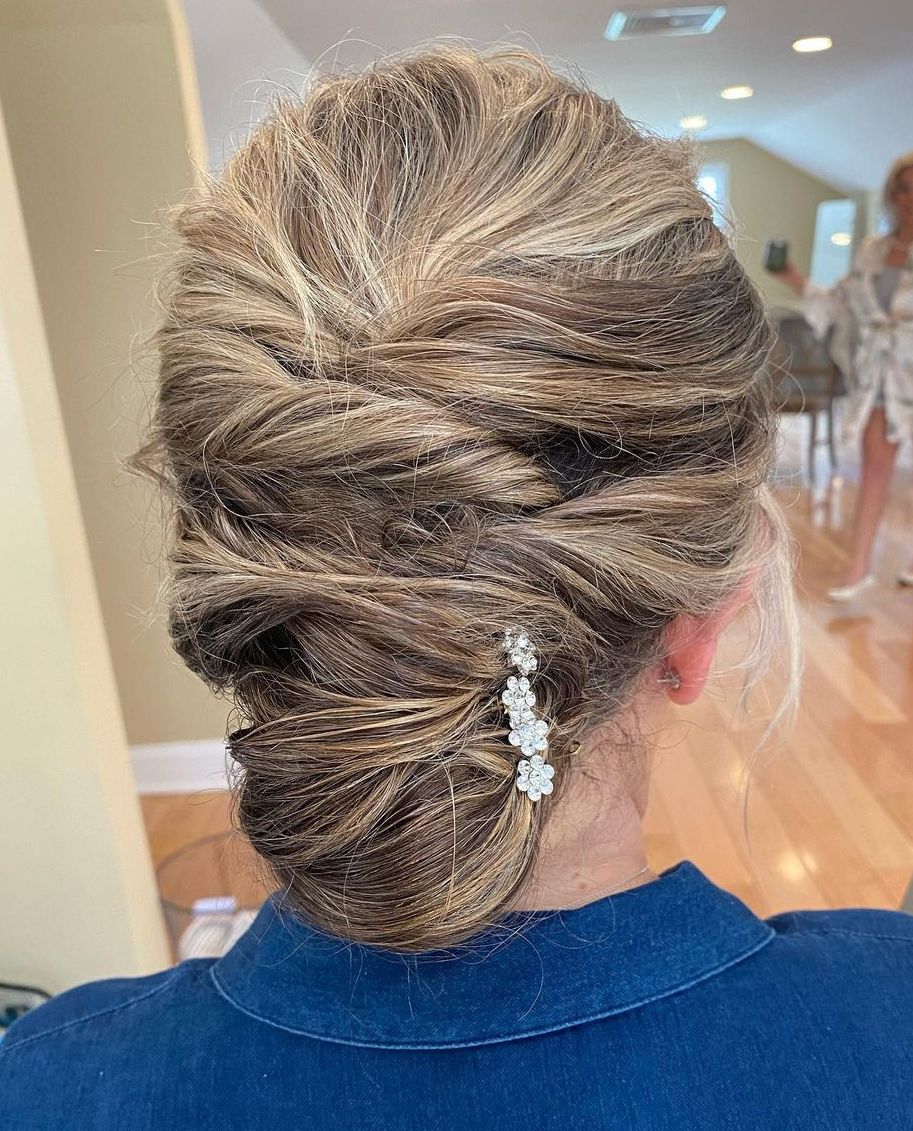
point(180, 767)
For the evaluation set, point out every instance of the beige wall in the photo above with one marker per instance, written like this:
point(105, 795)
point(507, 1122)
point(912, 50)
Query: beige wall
point(76, 885)
point(99, 108)
point(770, 198)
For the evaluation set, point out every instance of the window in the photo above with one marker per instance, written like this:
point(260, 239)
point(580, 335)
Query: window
point(832, 251)
point(713, 181)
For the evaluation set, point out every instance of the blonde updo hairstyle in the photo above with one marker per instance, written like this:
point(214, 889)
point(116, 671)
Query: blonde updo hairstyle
point(451, 346)
point(901, 165)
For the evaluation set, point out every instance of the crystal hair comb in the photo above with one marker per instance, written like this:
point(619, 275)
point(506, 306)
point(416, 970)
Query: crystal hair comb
point(527, 729)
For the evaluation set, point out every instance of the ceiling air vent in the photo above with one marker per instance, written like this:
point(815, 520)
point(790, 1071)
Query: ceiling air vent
point(651, 22)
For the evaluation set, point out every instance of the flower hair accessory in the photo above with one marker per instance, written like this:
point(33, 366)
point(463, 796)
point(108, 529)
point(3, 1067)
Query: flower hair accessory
point(527, 729)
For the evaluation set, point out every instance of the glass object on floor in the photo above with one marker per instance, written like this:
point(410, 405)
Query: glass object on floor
point(211, 890)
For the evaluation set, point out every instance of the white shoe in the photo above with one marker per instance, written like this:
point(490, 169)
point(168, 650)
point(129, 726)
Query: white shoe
point(841, 594)
point(905, 577)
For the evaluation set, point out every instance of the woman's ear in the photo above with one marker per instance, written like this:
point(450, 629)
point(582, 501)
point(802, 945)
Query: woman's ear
point(691, 644)
point(690, 649)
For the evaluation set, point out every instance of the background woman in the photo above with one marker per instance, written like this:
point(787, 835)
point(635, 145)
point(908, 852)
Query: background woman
point(871, 312)
point(464, 415)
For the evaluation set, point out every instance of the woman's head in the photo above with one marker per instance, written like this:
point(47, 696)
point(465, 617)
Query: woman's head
point(452, 346)
point(898, 192)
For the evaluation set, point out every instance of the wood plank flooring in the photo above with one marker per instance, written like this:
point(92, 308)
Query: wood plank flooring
point(829, 816)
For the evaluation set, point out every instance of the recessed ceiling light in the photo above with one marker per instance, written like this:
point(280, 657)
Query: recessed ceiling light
point(693, 122)
point(813, 43)
point(736, 92)
point(841, 239)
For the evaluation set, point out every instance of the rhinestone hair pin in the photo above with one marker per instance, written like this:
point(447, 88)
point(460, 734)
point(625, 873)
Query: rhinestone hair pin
point(527, 729)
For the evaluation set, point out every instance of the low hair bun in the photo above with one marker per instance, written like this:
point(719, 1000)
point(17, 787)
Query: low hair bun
point(451, 346)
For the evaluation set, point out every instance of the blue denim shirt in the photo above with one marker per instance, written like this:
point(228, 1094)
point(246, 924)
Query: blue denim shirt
point(670, 1006)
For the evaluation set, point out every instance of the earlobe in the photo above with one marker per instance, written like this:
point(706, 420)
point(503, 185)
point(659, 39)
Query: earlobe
point(671, 678)
point(677, 689)
point(687, 664)
point(691, 646)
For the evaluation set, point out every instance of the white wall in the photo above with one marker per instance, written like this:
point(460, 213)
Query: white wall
point(242, 59)
point(852, 137)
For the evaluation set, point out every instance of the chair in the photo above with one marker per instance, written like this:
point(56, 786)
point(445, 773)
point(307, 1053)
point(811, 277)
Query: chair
point(805, 379)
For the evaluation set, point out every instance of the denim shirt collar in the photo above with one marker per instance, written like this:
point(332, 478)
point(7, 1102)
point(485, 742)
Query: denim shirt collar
point(535, 973)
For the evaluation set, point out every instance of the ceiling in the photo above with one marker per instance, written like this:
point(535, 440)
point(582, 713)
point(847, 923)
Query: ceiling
point(843, 114)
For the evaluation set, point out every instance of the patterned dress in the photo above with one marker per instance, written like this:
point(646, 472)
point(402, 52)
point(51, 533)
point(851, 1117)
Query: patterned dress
point(872, 339)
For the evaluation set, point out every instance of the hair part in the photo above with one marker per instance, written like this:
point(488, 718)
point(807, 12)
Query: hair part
point(451, 346)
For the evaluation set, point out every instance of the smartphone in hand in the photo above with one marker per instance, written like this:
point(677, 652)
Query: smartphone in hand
point(776, 256)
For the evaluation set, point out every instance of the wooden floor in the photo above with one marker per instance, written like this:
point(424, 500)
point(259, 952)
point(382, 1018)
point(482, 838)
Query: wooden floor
point(829, 815)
